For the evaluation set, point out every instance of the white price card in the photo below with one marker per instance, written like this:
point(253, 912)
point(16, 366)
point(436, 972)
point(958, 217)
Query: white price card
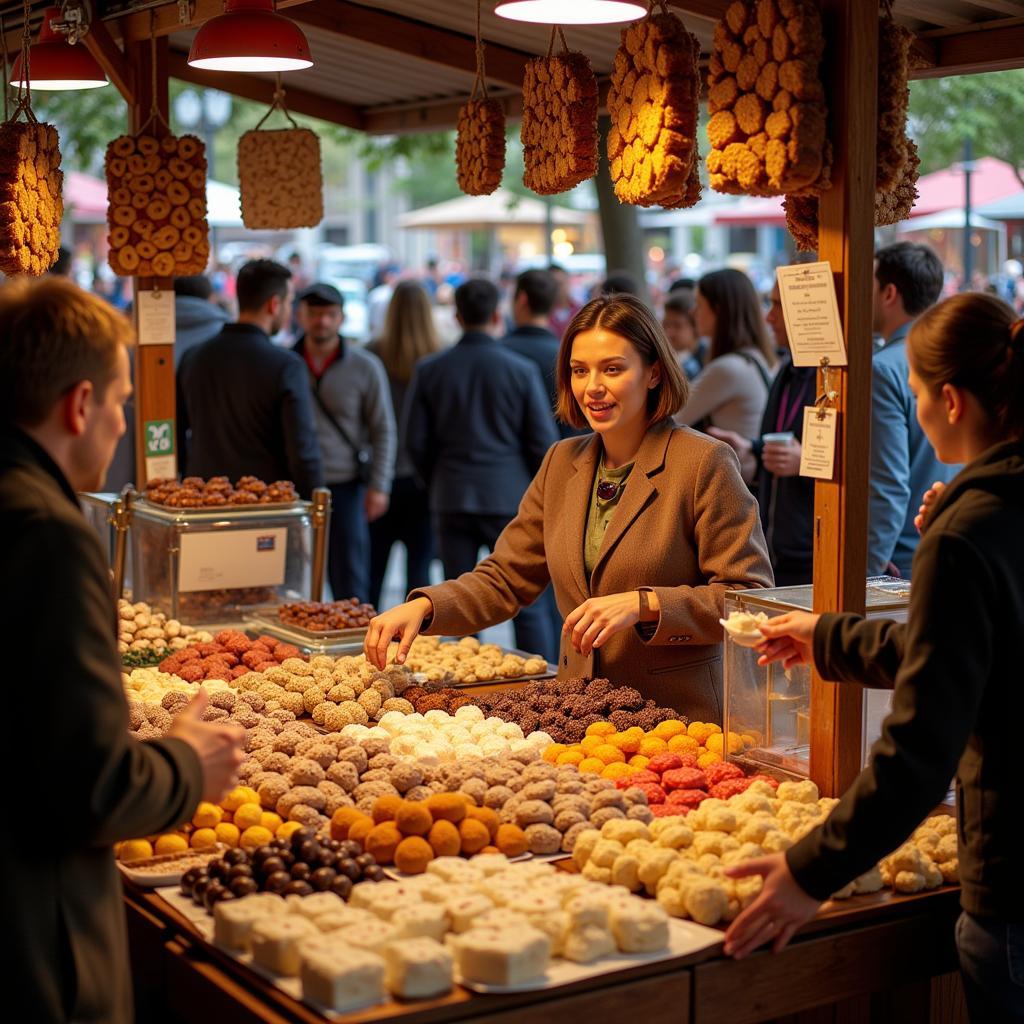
point(818, 446)
point(156, 317)
point(811, 311)
point(231, 559)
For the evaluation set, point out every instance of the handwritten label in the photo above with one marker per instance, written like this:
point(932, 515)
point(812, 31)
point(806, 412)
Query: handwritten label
point(811, 312)
point(818, 453)
point(156, 317)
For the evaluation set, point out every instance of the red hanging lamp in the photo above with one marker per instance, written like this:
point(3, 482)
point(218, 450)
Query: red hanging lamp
point(54, 64)
point(250, 36)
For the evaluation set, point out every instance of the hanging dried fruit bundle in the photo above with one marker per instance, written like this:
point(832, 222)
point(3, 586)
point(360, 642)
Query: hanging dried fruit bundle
point(559, 130)
point(31, 205)
point(480, 146)
point(157, 206)
point(280, 181)
point(653, 106)
point(767, 104)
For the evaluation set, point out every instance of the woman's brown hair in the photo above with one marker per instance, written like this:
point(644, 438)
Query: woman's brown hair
point(739, 318)
point(628, 317)
point(974, 341)
point(409, 332)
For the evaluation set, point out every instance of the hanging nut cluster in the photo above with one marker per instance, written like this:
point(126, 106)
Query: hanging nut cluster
point(31, 206)
point(766, 101)
point(280, 180)
point(653, 105)
point(157, 206)
point(559, 130)
point(480, 147)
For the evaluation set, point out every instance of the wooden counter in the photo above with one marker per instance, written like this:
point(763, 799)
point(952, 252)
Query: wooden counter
point(879, 959)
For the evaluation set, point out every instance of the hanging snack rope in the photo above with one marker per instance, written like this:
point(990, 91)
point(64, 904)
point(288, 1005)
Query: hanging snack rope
point(156, 184)
point(653, 105)
point(559, 129)
point(766, 100)
point(31, 181)
point(280, 175)
point(480, 141)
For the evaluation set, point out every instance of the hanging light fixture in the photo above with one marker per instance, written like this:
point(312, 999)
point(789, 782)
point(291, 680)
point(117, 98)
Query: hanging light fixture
point(250, 36)
point(54, 64)
point(571, 12)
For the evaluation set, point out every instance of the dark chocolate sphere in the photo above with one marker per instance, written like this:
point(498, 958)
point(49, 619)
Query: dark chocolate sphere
point(308, 850)
point(188, 879)
point(347, 866)
point(235, 856)
point(365, 860)
point(349, 848)
point(322, 878)
point(297, 888)
point(277, 881)
point(243, 886)
point(199, 890)
point(239, 871)
point(341, 886)
point(300, 870)
point(374, 873)
point(213, 893)
point(217, 868)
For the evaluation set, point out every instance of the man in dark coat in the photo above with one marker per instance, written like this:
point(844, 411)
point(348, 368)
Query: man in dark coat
point(244, 406)
point(63, 381)
point(477, 427)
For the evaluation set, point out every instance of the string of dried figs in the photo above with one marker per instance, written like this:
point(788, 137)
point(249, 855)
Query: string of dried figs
point(894, 43)
point(766, 101)
point(280, 180)
point(559, 129)
point(157, 206)
point(653, 106)
point(480, 146)
point(31, 204)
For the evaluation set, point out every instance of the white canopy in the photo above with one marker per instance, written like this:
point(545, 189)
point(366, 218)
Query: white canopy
point(500, 208)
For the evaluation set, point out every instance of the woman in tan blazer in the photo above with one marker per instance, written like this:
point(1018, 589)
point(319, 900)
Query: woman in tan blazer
point(641, 527)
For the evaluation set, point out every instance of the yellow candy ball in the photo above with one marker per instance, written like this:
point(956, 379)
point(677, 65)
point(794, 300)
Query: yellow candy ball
point(207, 816)
point(170, 843)
point(570, 757)
point(672, 727)
point(286, 830)
point(591, 743)
point(749, 739)
point(617, 770)
point(708, 759)
point(227, 833)
point(639, 762)
point(715, 742)
point(683, 744)
point(653, 745)
point(714, 728)
point(135, 849)
point(238, 796)
point(607, 753)
point(248, 815)
point(628, 742)
point(202, 838)
point(601, 729)
point(591, 764)
point(271, 821)
point(255, 836)
point(551, 753)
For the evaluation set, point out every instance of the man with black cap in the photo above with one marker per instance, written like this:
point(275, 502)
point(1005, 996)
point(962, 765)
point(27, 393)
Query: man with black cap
point(355, 425)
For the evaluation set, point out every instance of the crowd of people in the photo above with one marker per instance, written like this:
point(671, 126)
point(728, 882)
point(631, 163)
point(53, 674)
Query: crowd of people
point(623, 473)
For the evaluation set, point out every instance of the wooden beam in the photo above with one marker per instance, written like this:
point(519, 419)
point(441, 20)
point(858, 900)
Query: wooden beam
point(164, 20)
point(846, 240)
point(1011, 8)
point(100, 43)
point(987, 46)
point(413, 38)
point(712, 10)
point(261, 90)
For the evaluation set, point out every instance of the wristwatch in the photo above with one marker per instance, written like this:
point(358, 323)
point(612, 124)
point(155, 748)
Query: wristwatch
point(644, 605)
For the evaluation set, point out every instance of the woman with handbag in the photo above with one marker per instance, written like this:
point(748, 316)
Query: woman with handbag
point(641, 526)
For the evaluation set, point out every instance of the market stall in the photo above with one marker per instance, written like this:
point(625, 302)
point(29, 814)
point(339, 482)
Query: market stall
point(471, 752)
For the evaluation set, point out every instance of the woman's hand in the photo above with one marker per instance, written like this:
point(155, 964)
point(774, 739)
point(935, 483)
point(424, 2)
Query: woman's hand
point(599, 618)
point(401, 623)
point(929, 499)
point(782, 459)
point(788, 638)
point(780, 909)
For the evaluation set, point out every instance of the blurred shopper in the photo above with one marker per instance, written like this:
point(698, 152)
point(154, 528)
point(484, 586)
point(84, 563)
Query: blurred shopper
point(197, 318)
point(477, 427)
point(63, 380)
point(772, 462)
point(954, 667)
point(566, 306)
point(732, 390)
point(908, 280)
point(379, 298)
point(244, 406)
point(62, 264)
point(409, 335)
point(680, 323)
point(355, 427)
point(619, 282)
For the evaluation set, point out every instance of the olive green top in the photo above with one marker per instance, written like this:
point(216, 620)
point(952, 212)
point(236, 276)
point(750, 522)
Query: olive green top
point(600, 512)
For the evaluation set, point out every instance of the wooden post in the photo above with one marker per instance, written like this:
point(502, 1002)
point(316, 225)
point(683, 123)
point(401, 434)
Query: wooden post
point(154, 364)
point(846, 240)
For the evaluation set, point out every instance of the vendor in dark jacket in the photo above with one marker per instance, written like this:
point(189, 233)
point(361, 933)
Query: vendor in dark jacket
point(954, 666)
point(244, 406)
point(63, 382)
point(771, 462)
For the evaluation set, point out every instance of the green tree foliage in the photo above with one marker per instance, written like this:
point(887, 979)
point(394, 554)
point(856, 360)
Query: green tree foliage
point(984, 108)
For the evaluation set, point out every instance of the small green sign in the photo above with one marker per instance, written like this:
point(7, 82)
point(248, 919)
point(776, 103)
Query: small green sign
point(159, 437)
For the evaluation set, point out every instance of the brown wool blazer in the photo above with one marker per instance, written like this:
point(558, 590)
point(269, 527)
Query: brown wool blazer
point(686, 526)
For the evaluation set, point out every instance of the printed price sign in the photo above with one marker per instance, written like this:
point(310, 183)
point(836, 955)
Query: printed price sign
point(811, 311)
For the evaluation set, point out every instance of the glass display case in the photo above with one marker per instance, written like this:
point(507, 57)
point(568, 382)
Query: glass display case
point(99, 514)
point(214, 565)
point(770, 708)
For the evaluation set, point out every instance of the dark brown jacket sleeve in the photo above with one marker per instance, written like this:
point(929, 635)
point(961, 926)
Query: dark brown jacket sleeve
point(939, 687)
point(849, 649)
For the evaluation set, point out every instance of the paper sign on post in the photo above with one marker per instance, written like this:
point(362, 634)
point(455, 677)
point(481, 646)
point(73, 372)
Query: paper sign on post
point(809, 306)
point(818, 446)
point(156, 317)
point(232, 559)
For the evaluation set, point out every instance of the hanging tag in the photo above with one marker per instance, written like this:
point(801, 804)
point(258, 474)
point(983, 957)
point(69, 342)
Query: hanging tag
point(811, 312)
point(156, 317)
point(818, 445)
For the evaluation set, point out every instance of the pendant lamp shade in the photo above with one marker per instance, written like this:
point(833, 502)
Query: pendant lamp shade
point(54, 64)
point(571, 12)
point(250, 36)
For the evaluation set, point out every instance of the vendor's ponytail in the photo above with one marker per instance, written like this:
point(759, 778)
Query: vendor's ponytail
point(974, 341)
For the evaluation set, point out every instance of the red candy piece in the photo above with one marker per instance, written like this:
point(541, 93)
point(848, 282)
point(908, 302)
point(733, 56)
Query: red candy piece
point(636, 779)
point(723, 770)
point(684, 778)
point(238, 671)
point(665, 762)
point(730, 787)
point(689, 760)
point(668, 810)
point(654, 793)
point(283, 651)
point(686, 799)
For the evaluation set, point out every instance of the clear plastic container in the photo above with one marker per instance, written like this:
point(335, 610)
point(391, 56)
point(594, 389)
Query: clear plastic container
point(771, 708)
